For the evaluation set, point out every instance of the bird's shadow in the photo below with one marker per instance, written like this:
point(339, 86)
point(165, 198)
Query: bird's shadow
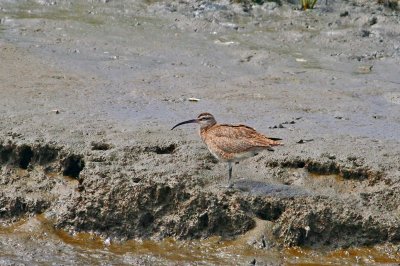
point(262, 188)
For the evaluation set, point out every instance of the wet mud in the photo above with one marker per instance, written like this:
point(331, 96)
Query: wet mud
point(89, 165)
point(64, 248)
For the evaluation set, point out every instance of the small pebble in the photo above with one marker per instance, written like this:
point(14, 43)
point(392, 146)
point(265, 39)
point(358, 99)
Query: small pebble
point(193, 99)
point(364, 69)
point(365, 33)
point(372, 21)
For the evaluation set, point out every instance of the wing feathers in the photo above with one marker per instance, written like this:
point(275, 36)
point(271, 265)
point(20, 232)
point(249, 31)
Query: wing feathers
point(237, 139)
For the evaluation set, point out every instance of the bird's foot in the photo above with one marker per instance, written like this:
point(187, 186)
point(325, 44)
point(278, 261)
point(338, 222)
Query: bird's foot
point(227, 185)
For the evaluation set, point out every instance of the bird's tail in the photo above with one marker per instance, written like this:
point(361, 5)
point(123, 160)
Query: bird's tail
point(276, 142)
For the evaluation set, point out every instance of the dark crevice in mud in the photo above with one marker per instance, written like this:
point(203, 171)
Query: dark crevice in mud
point(18, 206)
point(269, 213)
point(6, 152)
point(73, 165)
point(100, 146)
point(146, 220)
point(264, 209)
point(162, 149)
point(300, 164)
point(203, 220)
point(45, 154)
point(25, 155)
point(328, 168)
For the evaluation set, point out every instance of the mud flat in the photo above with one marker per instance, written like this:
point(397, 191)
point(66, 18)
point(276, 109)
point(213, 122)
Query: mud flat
point(89, 166)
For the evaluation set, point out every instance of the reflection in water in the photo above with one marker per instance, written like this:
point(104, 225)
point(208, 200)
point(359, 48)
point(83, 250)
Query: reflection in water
point(86, 247)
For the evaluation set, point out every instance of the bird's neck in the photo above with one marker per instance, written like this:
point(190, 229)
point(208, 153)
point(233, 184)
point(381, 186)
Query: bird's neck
point(204, 129)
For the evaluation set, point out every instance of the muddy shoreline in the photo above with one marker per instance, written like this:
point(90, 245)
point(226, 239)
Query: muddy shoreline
point(89, 97)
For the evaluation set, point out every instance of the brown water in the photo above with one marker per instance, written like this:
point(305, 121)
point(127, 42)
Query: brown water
point(89, 248)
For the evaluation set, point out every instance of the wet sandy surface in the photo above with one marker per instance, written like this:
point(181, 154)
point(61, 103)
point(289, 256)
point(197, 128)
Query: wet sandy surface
point(102, 84)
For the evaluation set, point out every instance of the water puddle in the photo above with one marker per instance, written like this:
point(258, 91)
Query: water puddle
point(213, 251)
point(361, 256)
point(33, 10)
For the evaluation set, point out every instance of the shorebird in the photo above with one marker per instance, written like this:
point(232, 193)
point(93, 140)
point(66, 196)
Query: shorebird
point(231, 143)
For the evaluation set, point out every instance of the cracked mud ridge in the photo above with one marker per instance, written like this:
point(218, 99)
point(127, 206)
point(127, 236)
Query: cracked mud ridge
point(89, 165)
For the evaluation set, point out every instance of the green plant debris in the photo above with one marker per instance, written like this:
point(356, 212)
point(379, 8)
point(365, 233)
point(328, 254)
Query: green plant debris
point(308, 4)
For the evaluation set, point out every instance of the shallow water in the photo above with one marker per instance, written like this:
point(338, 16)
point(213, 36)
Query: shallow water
point(44, 244)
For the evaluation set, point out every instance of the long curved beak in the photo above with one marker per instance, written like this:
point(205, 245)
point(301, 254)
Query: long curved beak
point(185, 122)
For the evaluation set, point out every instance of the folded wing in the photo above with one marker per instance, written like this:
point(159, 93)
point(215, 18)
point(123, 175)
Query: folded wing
point(238, 139)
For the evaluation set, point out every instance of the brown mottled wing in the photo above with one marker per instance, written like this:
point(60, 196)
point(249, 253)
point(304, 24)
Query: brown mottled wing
point(240, 138)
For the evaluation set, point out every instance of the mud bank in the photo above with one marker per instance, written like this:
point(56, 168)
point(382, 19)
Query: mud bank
point(308, 203)
point(89, 97)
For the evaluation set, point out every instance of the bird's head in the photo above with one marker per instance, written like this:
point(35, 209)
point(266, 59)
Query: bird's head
point(204, 119)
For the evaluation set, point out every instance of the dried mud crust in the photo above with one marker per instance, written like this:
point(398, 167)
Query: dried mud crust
point(115, 198)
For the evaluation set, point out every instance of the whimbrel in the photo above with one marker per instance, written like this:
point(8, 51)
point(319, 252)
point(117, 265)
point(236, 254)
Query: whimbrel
point(231, 143)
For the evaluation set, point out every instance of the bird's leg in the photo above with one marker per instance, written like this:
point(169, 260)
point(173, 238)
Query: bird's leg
point(229, 171)
point(229, 185)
